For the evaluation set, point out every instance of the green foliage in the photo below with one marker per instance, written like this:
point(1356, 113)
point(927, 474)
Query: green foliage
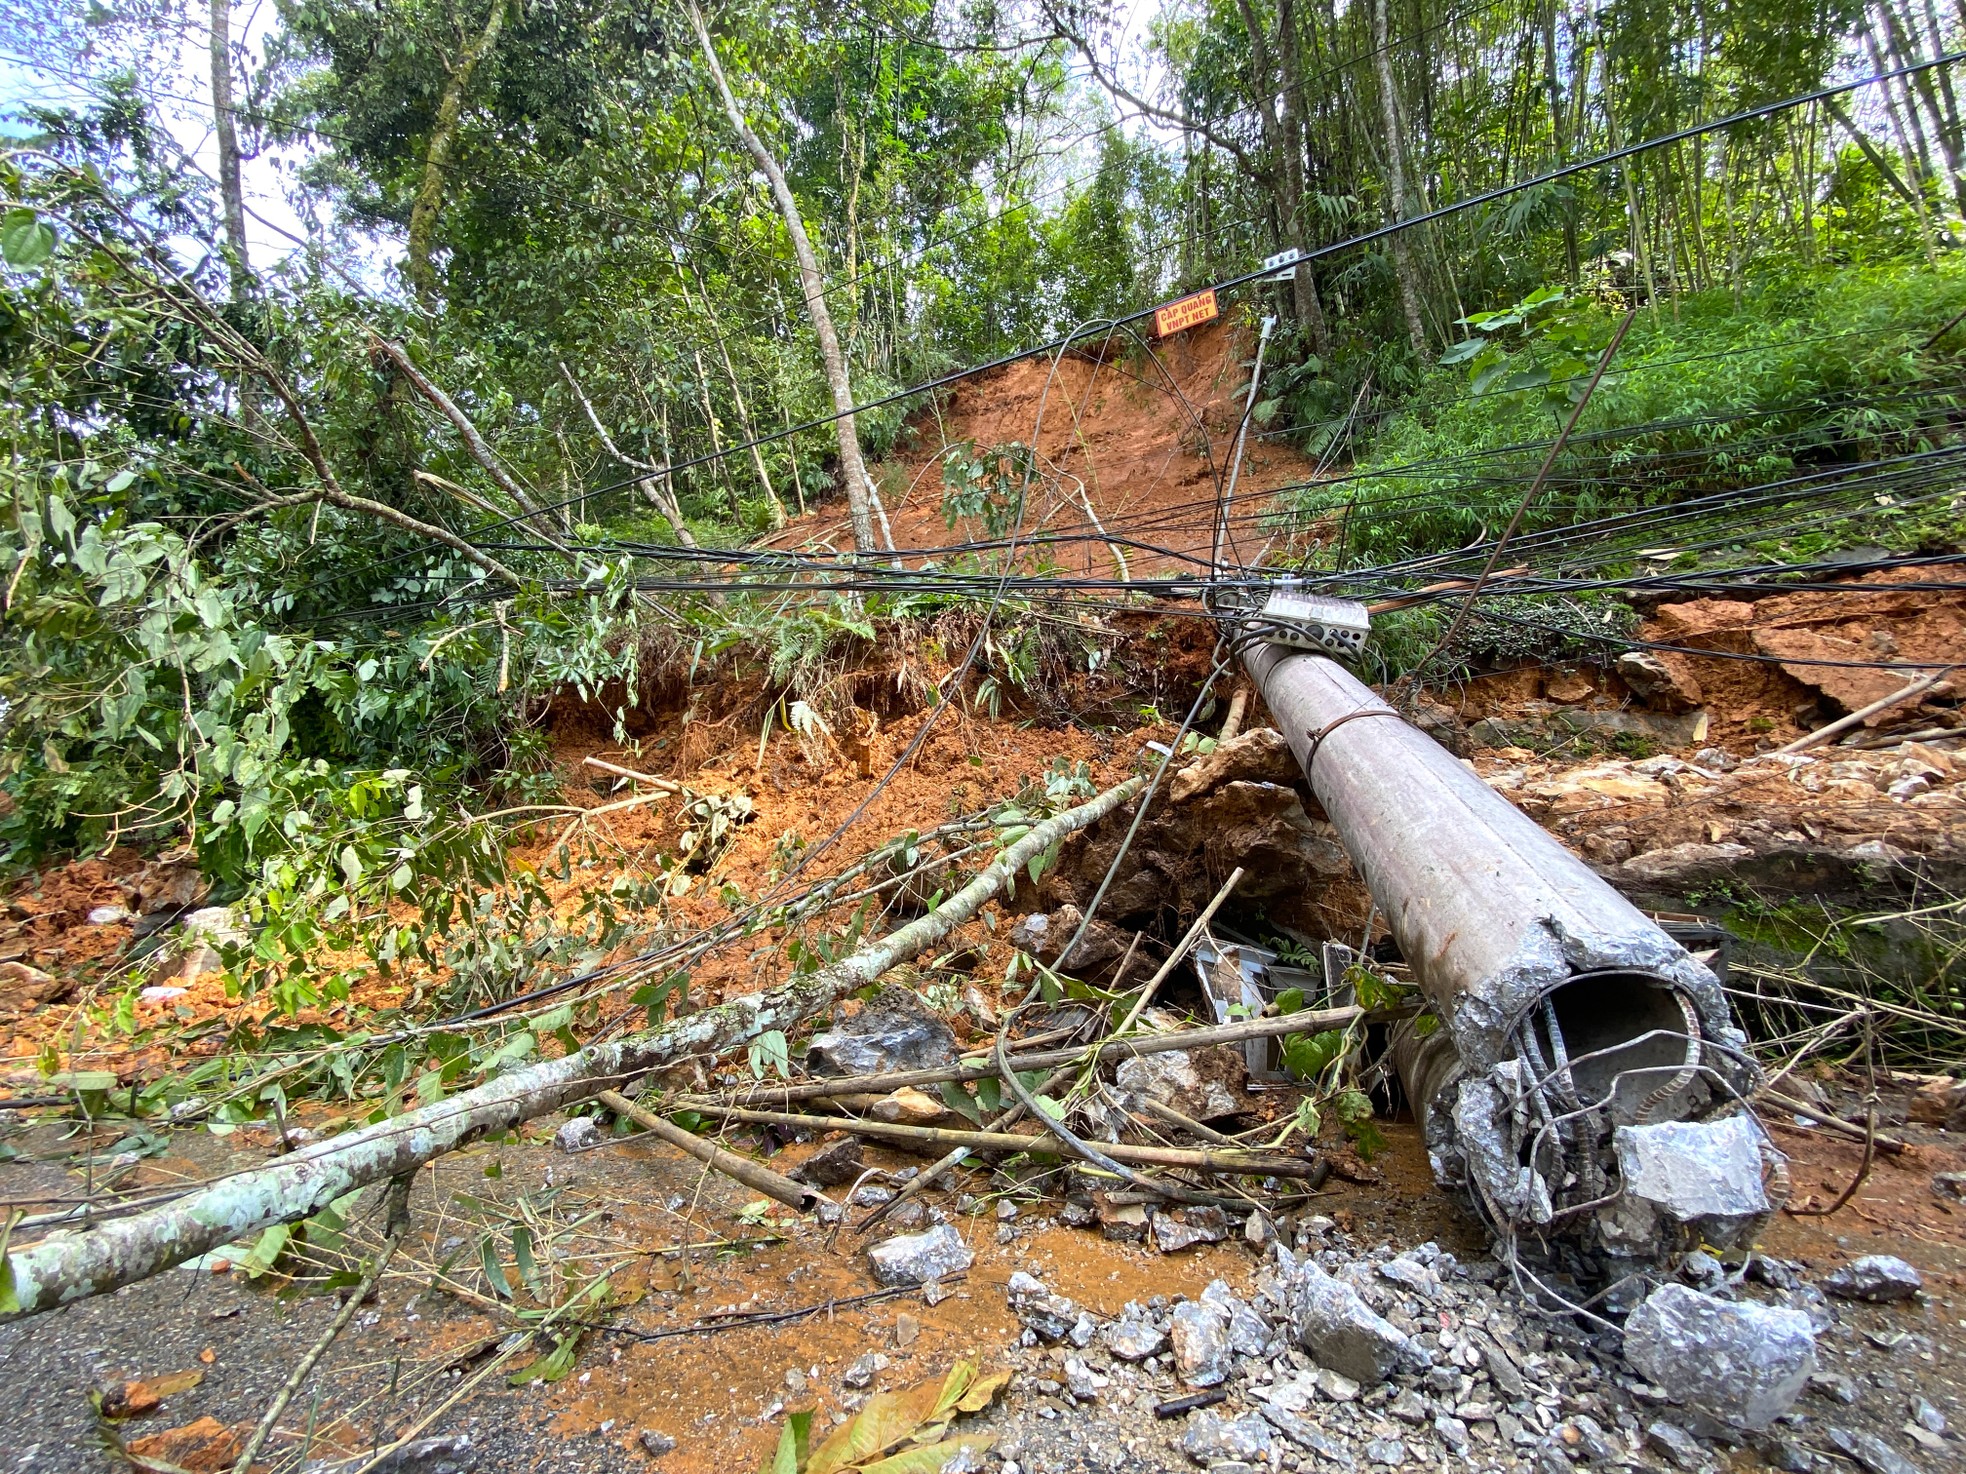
point(986, 486)
point(1809, 368)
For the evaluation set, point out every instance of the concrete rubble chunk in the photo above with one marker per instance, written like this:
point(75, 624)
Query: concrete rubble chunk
point(1698, 1175)
point(1199, 1334)
point(863, 1370)
point(1082, 1381)
point(1211, 1439)
point(1736, 1362)
point(1202, 1084)
point(577, 1135)
point(1134, 1336)
point(1336, 1386)
point(655, 1443)
point(1681, 1447)
point(893, 1032)
point(1878, 1278)
point(1871, 1452)
point(1338, 1330)
point(915, 1259)
point(837, 1164)
point(1249, 1333)
point(1183, 1228)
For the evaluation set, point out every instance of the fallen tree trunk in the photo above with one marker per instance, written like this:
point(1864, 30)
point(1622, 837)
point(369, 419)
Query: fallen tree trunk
point(69, 1264)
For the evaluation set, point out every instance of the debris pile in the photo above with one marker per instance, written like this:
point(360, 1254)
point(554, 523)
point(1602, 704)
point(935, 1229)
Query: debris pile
point(1353, 1358)
point(1835, 822)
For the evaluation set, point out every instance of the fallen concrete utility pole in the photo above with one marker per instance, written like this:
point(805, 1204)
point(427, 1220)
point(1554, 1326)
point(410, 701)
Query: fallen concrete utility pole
point(70, 1264)
point(1575, 1030)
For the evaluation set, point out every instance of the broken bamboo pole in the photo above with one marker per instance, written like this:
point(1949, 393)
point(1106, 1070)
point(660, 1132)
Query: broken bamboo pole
point(754, 1175)
point(1310, 1021)
point(661, 785)
point(69, 1265)
point(1863, 713)
point(1239, 1164)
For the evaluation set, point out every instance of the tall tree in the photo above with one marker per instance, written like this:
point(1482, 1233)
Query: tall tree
point(417, 264)
point(812, 285)
point(1398, 204)
point(231, 194)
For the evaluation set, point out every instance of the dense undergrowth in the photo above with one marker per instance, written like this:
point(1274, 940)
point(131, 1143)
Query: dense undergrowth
point(1801, 371)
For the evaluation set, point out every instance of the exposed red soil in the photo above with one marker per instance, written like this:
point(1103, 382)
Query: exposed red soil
point(1142, 435)
point(1755, 704)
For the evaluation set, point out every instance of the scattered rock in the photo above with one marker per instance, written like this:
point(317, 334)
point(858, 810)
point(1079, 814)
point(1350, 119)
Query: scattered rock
point(1183, 1228)
point(861, 1373)
point(1211, 1439)
point(1340, 1331)
point(1249, 1333)
point(198, 948)
point(1082, 1381)
point(1926, 1416)
point(1737, 1362)
point(1657, 683)
point(1124, 1223)
point(442, 1455)
point(892, 1032)
point(109, 915)
point(1047, 1316)
point(1336, 1385)
point(1388, 1451)
point(655, 1443)
point(24, 989)
point(1202, 1084)
point(910, 1107)
point(1134, 1337)
point(915, 1259)
point(1878, 1278)
point(1260, 755)
point(833, 1165)
point(578, 1134)
point(1870, 1451)
point(1835, 1386)
point(1200, 1335)
point(1045, 936)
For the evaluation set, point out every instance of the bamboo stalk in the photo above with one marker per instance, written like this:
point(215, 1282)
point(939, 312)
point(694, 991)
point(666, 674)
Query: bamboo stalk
point(1311, 1021)
point(754, 1175)
point(1242, 1164)
point(1843, 724)
point(397, 1224)
point(67, 1266)
point(661, 785)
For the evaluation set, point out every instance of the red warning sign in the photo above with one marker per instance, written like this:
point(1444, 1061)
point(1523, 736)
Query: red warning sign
point(1187, 313)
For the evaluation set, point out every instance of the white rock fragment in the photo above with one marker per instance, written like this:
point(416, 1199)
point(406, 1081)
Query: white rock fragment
point(1737, 1362)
